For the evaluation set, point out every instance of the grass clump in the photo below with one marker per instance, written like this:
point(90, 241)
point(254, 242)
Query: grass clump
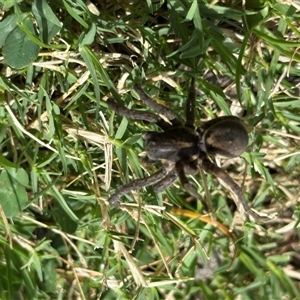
point(63, 151)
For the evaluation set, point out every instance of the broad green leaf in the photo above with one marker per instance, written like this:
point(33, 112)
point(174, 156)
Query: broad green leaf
point(19, 174)
point(8, 25)
point(19, 50)
point(13, 195)
point(49, 24)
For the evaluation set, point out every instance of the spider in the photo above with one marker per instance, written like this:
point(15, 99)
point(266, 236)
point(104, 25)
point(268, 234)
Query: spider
point(182, 148)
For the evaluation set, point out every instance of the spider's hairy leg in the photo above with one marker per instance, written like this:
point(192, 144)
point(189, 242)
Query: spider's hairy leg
point(186, 184)
point(166, 181)
point(170, 177)
point(241, 203)
point(160, 109)
point(134, 185)
point(132, 114)
point(190, 106)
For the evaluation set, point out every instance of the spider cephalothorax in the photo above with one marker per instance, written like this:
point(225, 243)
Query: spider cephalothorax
point(182, 149)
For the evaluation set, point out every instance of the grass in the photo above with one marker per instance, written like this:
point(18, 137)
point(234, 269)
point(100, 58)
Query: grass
point(63, 151)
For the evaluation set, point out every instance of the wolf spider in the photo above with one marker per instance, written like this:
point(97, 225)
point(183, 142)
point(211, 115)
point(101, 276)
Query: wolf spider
point(181, 148)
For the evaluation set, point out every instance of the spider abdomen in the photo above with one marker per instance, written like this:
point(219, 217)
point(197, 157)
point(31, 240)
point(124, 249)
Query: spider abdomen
point(224, 136)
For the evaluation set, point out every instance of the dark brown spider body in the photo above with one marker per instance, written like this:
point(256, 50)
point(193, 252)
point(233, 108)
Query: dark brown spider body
point(181, 148)
point(224, 136)
point(172, 145)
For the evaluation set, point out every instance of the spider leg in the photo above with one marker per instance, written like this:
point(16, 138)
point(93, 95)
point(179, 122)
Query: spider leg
point(190, 106)
point(240, 202)
point(186, 184)
point(166, 181)
point(136, 184)
point(132, 114)
point(170, 177)
point(137, 115)
point(160, 109)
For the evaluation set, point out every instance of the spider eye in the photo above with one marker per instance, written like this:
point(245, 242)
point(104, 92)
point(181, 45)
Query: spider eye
point(224, 136)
